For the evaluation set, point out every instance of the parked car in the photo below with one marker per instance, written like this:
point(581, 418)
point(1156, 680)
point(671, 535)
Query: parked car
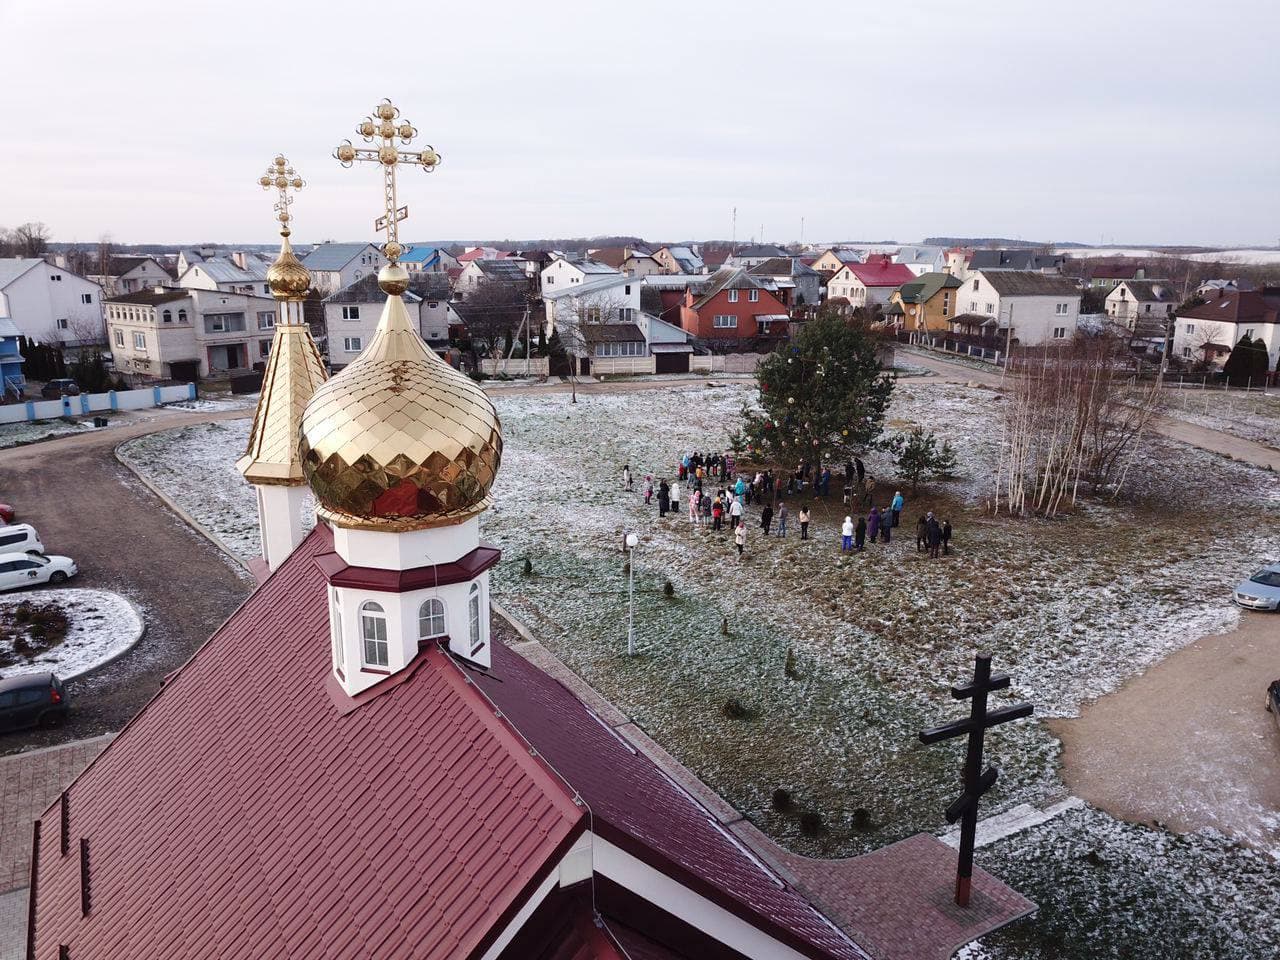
point(30, 700)
point(1261, 591)
point(7, 513)
point(28, 569)
point(56, 389)
point(1273, 701)
point(20, 538)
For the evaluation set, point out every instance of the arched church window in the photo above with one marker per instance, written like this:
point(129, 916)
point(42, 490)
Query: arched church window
point(373, 631)
point(431, 619)
point(182, 316)
point(168, 316)
point(473, 605)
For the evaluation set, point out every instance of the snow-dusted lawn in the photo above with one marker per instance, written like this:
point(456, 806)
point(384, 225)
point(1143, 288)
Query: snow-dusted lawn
point(216, 403)
point(101, 625)
point(13, 434)
point(1254, 415)
point(1071, 608)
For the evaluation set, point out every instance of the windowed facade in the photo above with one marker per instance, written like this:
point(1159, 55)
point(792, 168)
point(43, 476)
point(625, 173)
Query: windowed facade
point(991, 308)
point(1062, 309)
point(1059, 333)
point(264, 348)
point(224, 323)
point(373, 635)
point(167, 316)
point(139, 341)
point(335, 625)
point(351, 344)
point(182, 316)
point(266, 319)
point(86, 298)
point(946, 303)
point(119, 338)
point(350, 313)
point(724, 320)
point(63, 323)
point(431, 619)
point(629, 349)
point(473, 616)
point(733, 296)
point(753, 296)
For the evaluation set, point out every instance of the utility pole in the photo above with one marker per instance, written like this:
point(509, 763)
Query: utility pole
point(733, 243)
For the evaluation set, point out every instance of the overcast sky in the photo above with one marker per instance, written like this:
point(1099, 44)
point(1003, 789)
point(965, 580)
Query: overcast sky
point(1124, 121)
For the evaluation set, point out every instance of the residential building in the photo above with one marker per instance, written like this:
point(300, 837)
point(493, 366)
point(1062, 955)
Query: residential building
point(1131, 301)
point(832, 259)
point(1210, 288)
point(752, 254)
point(50, 304)
point(1206, 333)
point(239, 272)
point(956, 260)
point(1025, 307)
point(335, 266)
point(190, 256)
point(872, 282)
point(12, 380)
point(476, 273)
point(927, 303)
point(679, 259)
point(734, 306)
point(481, 253)
point(647, 336)
point(427, 259)
point(798, 285)
point(351, 315)
point(132, 274)
point(921, 259)
point(565, 272)
point(1021, 260)
point(633, 261)
point(608, 298)
point(1107, 275)
point(171, 333)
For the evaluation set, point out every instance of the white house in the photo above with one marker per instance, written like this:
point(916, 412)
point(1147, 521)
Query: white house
point(181, 334)
point(335, 266)
point(1025, 306)
point(50, 304)
point(1132, 301)
point(679, 259)
point(426, 259)
point(921, 259)
point(613, 298)
point(563, 272)
point(131, 275)
point(479, 272)
point(351, 315)
point(1206, 334)
point(240, 272)
point(863, 284)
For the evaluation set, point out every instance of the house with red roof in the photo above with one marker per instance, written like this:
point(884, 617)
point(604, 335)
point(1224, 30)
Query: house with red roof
point(863, 284)
point(1206, 333)
point(734, 305)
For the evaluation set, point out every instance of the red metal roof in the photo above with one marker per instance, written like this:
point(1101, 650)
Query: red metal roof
point(242, 814)
point(881, 273)
point(634, 805)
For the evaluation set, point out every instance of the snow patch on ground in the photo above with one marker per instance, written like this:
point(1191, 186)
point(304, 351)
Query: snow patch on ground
point(15, 434)
point(1253, 416)
point(102, 625)
point(218, 403)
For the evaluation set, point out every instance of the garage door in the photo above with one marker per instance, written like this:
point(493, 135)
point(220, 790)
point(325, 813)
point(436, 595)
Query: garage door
point(671, 362)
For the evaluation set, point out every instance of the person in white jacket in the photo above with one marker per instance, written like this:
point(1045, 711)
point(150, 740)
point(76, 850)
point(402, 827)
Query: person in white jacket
point(846, 535)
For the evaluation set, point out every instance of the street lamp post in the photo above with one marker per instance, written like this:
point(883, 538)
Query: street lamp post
point(632, 540)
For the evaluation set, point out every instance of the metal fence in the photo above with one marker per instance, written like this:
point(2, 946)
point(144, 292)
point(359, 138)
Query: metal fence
point(951, 345)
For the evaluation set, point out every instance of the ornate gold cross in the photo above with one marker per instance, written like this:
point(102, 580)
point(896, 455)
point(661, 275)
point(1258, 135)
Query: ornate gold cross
point(383, 130)
point(284, 178)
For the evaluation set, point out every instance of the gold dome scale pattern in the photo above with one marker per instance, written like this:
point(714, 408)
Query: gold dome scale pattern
point(399, 440)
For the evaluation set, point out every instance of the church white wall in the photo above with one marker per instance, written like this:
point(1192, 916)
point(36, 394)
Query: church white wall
point(407, 551)
point(280, 513)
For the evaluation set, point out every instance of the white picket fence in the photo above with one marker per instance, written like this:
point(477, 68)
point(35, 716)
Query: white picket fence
point(726, 362)
point(515, 367)
point(604, 366)
point(87, 404)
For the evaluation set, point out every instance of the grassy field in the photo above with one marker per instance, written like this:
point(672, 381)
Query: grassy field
point(1071, 608)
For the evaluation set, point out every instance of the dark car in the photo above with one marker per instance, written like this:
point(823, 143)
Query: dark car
point(57, 389)
point(1273, 701)
point(31, 700)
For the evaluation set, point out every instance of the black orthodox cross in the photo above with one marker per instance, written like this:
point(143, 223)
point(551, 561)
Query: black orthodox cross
point(976, 782)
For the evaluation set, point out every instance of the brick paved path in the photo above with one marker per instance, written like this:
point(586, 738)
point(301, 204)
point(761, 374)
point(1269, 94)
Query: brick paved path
point(29, 783)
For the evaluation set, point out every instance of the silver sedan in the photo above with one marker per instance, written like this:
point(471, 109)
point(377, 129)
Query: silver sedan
point(1261, 591)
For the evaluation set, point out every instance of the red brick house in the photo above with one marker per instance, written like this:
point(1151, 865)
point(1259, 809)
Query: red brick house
point(734, 305)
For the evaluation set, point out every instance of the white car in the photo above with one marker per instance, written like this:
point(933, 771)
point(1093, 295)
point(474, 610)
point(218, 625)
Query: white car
point(20, 537)
point(26, 569)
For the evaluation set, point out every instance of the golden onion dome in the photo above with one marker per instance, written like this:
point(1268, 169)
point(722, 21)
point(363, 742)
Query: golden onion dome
point(287, 278)
point(399, 440)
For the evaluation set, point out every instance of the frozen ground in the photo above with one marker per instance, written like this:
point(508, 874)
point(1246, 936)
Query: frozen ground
point(215, 403)
point(14, 434)
point(1070, 608)
point(101, 625)
point(1254, 415)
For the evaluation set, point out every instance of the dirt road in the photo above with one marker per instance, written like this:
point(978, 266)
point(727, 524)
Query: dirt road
point(1188, 743)
point(1189, 433)
point(86, 505)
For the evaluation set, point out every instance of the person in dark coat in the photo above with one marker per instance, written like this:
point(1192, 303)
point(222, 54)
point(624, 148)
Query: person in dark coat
point(766, 518)
point(860, 535)
point(934, 536)
point(886, 524)
point(873, 523)
point(922, 534)
point(946, 537)
point(664, 498)
point(860, 468)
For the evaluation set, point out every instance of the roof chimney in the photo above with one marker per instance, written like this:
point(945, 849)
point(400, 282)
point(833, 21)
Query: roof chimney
point(238, 259)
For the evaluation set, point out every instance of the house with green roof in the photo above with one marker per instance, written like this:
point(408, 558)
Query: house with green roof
point(927, 303)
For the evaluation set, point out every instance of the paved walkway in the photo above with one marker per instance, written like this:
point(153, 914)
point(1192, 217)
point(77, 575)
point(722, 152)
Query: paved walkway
point(1205, 438)
point(29, 783)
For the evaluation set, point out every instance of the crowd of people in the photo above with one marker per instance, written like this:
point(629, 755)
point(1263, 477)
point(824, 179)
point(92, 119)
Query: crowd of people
point(716, 495)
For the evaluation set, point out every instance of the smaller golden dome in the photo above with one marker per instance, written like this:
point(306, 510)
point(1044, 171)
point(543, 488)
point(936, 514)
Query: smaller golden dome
point(288, 279)
point(393, 279)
